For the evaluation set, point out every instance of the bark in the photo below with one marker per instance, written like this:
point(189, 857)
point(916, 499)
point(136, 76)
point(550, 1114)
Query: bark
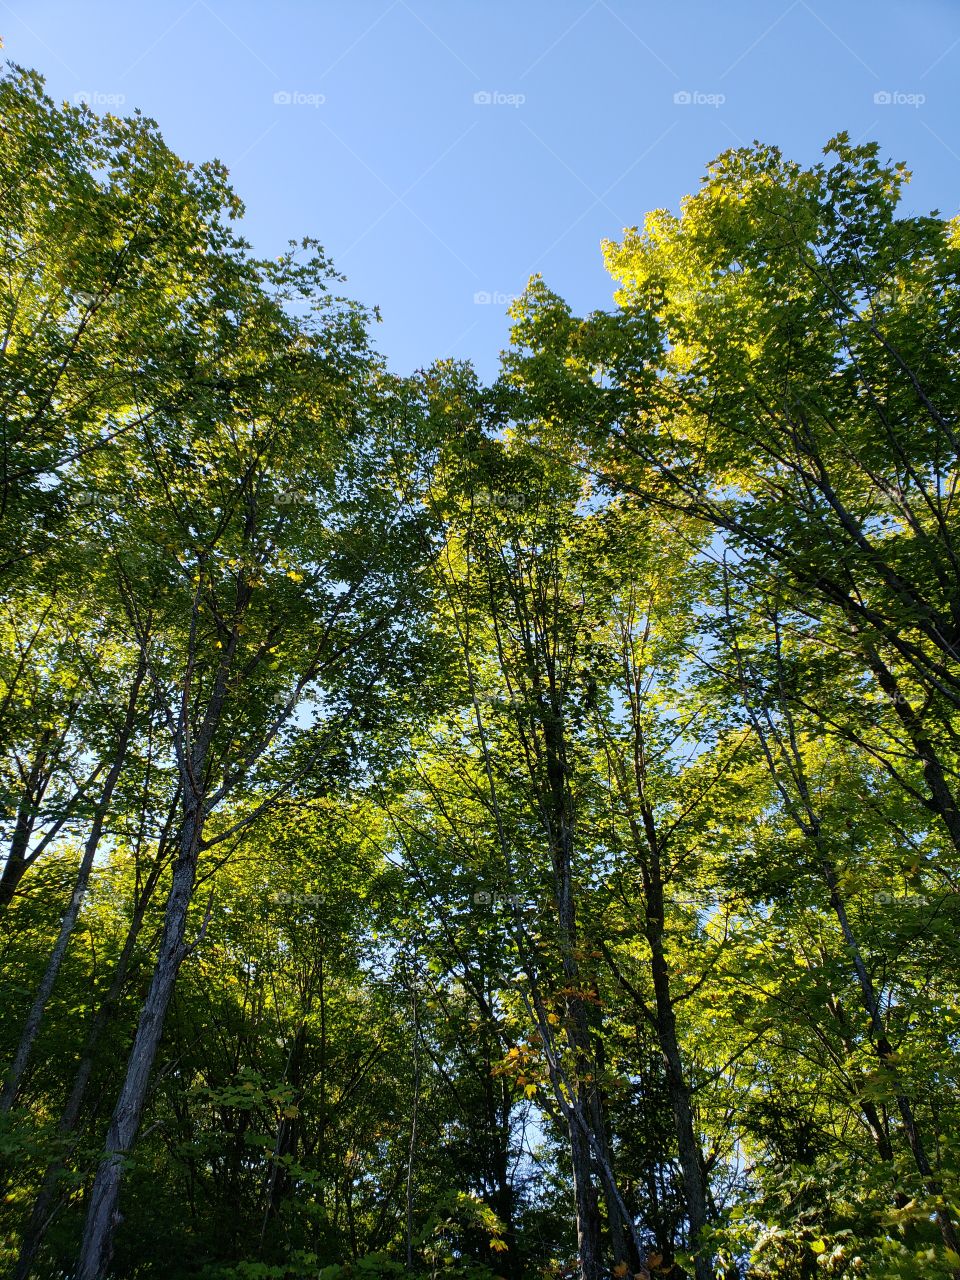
point(17, 861)
point(45, 1208)
point(412, 1147)
point(942, 800)
point(688, 1146)
point(288, 1130)
point(649, 847)
point(586, 1128)
point(620, 1238)
point(192, 752)
point(586, 1204)
point(102, 1211)
point(887, 1059)
point(871, 1115)
point(575, 1112)
point(11, 1087)
point(503, 1196)
point(803, 811)
point(545, 750)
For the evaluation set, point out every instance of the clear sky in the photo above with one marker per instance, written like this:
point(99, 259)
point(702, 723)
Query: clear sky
point(443, 150)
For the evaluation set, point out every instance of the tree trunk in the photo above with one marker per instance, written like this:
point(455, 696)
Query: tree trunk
point(887, 1059)
point(11, 1087)
point(102, 1214)
point(584, 1118)
point(942, 800)
point(285, 1146)
point(688, 1146)
point(414, 1118)
point(585, 1203)
point(43, 1209)
point(17, 861)
point(621, 1241)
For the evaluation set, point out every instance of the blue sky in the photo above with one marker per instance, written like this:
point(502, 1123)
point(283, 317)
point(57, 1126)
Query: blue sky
point(442, 150)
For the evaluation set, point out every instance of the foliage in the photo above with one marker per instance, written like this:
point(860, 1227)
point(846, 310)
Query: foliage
point(477, 831)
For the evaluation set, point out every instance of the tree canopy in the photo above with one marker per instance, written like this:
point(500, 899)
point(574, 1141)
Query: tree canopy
point(465, 830)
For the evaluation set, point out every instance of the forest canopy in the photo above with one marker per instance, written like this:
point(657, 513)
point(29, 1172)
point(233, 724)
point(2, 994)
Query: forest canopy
point(470, 830)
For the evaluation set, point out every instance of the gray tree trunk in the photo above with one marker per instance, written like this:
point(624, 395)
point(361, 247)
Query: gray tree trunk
point(44, 1209)
point(688, 1145)
point(11, 1086)
point(102, 1211)
point(17, 861)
